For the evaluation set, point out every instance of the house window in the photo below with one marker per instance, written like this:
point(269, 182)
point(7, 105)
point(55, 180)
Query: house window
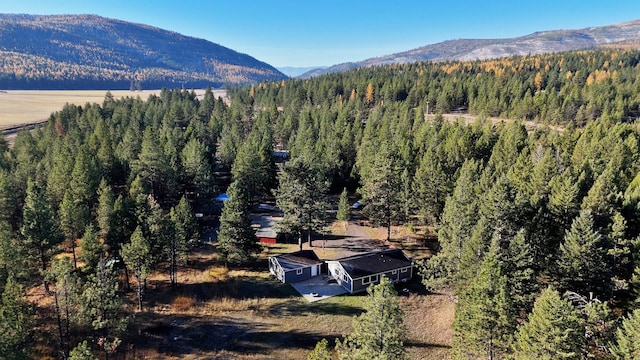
point(404, 270)
point(394, 272)
point(344, 277)
point(299, 271)
point(374, 278)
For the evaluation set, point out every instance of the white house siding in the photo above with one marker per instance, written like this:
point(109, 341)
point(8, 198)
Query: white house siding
point(275, 269)
point(337, 272)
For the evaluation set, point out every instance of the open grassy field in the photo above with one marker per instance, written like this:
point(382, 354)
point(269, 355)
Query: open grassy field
point(19, 107)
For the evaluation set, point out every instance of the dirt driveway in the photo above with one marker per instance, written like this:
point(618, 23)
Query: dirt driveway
point(355, 240)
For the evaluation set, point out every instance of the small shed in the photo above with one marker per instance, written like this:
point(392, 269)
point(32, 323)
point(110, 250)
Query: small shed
point(358, 272)
point(296, 266)
point(264, 224)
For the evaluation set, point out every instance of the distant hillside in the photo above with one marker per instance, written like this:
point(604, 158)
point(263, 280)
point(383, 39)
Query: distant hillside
point(472, 49)
point(293, 71)
point(92, 52)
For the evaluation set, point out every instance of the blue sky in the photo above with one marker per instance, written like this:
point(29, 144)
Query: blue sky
point(328, 32)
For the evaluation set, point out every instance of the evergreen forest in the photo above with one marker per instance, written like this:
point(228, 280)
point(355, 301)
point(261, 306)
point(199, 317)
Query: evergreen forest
point(538, 226)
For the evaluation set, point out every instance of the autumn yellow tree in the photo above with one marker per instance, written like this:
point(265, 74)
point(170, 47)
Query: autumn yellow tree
point(537, 81)
point(368, 94)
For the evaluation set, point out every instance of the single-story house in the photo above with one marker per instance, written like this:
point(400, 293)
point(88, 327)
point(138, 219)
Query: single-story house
point(357, 272)
point(294, 267)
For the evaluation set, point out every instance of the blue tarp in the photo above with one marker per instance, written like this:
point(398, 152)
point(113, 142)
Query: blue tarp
point(222, 197)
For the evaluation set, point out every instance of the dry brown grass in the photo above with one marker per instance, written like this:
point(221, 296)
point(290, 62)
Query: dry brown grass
point(220, 312)
point(428, 319)
point(183, 304)
point(218, 273)
point(249, 315)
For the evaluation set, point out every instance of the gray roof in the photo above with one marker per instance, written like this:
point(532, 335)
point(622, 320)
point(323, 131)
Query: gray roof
point(298, 259)
point(374, 263)
point(265, 224)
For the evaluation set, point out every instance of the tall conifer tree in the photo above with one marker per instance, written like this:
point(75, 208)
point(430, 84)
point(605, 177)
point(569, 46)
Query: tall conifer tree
point(39, 229)
point(379, 332)
point(237, 242)
point(553, 331)
point(302, 196)
point(581, 260)
point(484, 316)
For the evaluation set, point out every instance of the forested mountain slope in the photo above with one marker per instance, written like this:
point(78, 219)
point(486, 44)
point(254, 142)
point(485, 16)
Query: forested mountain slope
point(479, 49)
point(92, 52)
point(563, 88)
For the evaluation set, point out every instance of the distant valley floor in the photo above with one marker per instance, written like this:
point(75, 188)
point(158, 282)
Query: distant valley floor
point(18, 107)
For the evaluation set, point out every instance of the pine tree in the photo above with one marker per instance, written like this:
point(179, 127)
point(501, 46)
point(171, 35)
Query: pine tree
point(104, 210)
point(59, 176)
point(381, 185)
point(92, 249)
point(13, 260)
point(458, 220)
point(65, 300)
point(563, 201)
point(343, 206)
point(484, 315)
point(196, 167)
point(620, 248)
point(16, 319)
point(101, 308)
point(185, 228)
point(157, 229)
point(473, 252)
point(253, 166)
point(136, 255)
point(604, 198)
point(581, 259)
point(518, 264)
point(431, 187)
point(321, 351)
point(379, 332)
point(237, 242)
point(511, 141)
point(634, 285)
point(73, 219)
point(554, 330)
point(627, 345)
point(83, 183)
point(82, 352)
point(598, 324)
point(8, 201)
point(121, 226)
point(499, 206)
point(153, 166)
point(302, 196)
point(39, 230)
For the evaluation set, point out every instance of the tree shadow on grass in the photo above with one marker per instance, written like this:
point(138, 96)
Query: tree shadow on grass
point(301, 307)
point(242, 287)
point(424, 345)
point(183, 335)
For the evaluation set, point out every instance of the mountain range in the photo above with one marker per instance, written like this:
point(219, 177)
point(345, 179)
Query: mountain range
point(93, 52)
point(623, 34)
